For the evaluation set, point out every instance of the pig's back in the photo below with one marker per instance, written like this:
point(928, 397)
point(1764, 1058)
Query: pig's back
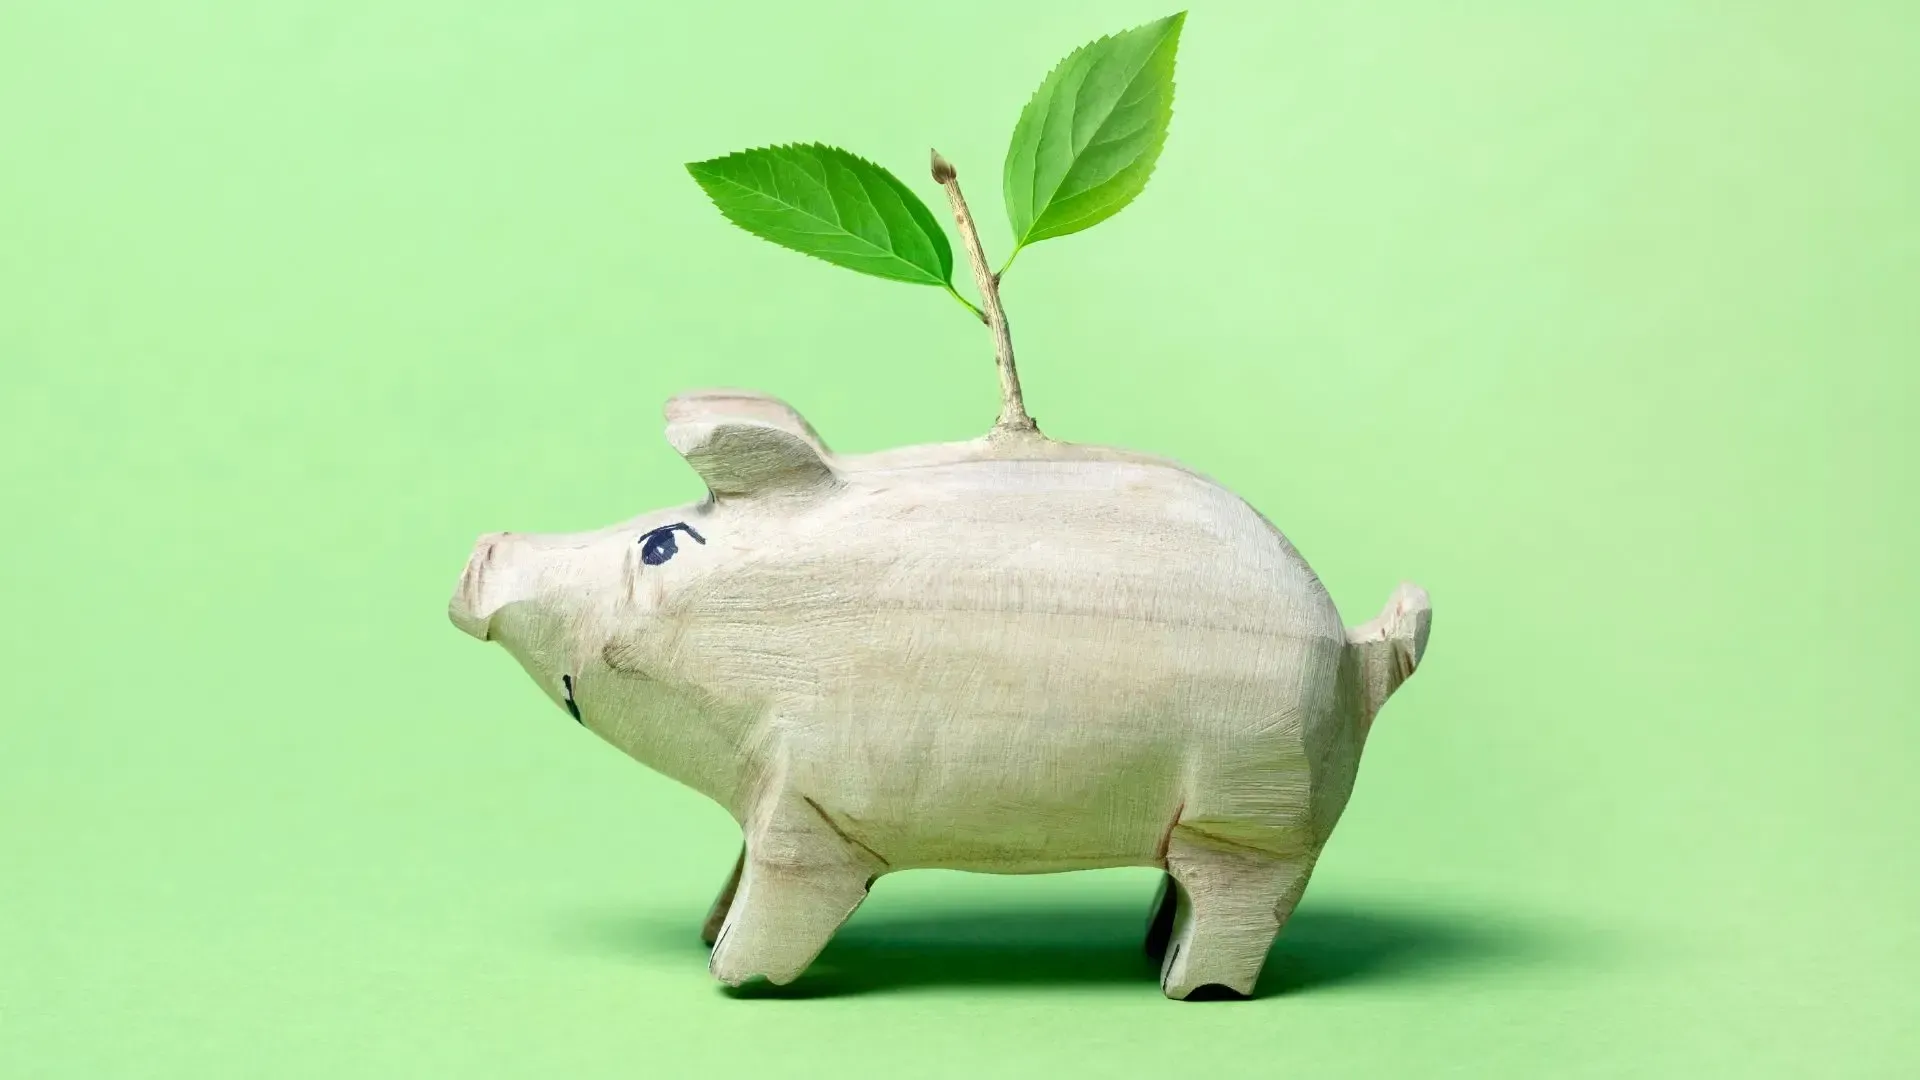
point(1049, 658)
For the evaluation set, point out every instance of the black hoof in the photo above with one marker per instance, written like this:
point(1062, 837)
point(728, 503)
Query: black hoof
point(1215, 992)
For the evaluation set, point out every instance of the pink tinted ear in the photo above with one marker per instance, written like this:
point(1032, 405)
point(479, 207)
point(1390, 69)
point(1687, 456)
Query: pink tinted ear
point(715, 405)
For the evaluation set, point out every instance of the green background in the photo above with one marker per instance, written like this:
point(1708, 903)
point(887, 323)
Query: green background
point(1598, 320)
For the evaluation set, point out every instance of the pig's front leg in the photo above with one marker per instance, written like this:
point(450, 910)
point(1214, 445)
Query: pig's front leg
point(801, 877)
point(717, 915)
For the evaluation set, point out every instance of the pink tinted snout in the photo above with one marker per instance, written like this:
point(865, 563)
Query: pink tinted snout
point(487, 584)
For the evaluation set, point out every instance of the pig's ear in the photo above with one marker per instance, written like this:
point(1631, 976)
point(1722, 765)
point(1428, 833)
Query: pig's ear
point(740, 458)
point(751, 405)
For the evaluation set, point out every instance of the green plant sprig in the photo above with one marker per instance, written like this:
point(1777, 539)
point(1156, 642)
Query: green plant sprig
point(1083, 148)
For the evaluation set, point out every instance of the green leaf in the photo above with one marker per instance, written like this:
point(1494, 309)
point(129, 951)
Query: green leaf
point(1088, 140)
point(823, 201)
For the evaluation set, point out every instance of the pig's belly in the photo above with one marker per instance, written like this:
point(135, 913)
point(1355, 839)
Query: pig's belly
point(1044, 742)
point(1026, 667)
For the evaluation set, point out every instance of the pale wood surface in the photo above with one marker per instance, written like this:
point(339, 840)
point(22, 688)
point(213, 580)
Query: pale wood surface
point(1011, 655)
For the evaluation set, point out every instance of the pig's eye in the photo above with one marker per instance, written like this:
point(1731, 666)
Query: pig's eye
point(657, 545)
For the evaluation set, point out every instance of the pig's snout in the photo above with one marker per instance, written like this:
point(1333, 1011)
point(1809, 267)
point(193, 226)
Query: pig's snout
point(485, 585)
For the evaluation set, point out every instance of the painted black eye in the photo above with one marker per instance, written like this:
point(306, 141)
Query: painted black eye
point(658, 545)
point(657, 548)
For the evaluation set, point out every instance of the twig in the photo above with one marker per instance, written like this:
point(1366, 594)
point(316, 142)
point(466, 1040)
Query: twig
point(1013, 410)
point(966, 303)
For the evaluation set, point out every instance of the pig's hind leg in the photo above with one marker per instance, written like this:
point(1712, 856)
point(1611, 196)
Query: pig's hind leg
point(1229, 902)
point(800, 879)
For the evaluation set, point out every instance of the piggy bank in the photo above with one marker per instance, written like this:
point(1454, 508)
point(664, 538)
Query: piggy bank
point(1012, 655)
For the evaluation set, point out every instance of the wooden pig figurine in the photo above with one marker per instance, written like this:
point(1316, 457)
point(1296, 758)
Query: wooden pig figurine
point(1012, 655)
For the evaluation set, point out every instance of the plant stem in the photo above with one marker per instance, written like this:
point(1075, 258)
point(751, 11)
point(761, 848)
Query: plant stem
point(966, 303)
point(1013, 410)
